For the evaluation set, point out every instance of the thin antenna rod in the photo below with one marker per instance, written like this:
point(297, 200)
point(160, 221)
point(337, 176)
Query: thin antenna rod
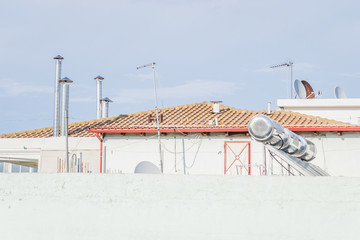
point(287, 64)
point(157, 111)
point(146, 65)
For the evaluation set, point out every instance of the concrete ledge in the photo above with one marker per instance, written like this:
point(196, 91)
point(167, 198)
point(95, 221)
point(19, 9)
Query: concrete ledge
point(94, 206)
point(319, 102)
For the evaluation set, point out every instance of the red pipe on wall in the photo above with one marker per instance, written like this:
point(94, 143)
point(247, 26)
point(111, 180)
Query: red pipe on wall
point(101, 150)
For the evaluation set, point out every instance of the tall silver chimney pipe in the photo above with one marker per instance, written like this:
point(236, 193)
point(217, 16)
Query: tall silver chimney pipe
point(64, 105)
point(98, 95)
point(105, 107)
point(58, 59)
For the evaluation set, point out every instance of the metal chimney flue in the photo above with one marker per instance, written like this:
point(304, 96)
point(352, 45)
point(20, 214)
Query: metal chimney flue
point(98, 80)
point(105, 107)
point(58, 59)
point(64, 105)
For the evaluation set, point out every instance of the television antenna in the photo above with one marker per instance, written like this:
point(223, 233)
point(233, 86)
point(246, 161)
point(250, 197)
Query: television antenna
point(287, 64)
point(156, 109)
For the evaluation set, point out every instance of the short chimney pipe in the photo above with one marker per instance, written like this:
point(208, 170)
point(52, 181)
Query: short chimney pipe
point(64, 105)
point(216, 106)
point(105, 107)
point(269, 108)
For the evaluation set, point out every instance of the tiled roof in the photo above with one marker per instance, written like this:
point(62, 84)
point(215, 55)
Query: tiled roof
point(197, 115)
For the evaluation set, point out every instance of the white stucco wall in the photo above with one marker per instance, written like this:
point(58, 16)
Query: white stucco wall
point(118, 206)
point(344, 110)
point(49, 151)
point(86, 148)
point(338, 155)
point(203, 154)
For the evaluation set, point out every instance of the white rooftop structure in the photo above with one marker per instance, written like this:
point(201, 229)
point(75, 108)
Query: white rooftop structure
point(345, 109)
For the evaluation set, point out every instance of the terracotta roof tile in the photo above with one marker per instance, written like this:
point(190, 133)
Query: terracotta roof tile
point(188, 116)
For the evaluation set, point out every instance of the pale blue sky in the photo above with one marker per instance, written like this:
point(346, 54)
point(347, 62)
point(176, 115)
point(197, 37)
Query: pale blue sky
point(204, 50)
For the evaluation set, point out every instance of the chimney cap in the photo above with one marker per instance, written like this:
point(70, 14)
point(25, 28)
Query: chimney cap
point(58, 57)
point(99, 77)
point(216, 106)
point(106, 99)
point(66, 80)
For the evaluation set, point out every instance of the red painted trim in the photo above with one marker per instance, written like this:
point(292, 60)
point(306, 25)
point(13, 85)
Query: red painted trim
point(101, 147)
point(200, 130)
point(168, 130)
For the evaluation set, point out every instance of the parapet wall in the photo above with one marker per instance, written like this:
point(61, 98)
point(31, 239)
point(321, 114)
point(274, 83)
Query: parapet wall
point(118, 206)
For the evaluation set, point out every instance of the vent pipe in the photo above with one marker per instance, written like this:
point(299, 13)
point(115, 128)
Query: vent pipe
point(105, 107)
point(216, 106)
point(269, 108)
point(64, 105)
point(58, 59)
point(98, 95)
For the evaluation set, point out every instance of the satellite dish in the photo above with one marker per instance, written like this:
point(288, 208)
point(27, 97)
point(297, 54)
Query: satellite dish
point(309, 90)
point(147, 167)
point(300, 89)
point(339, 93)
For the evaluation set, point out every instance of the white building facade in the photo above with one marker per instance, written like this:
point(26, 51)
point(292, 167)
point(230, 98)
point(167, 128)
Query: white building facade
point(194, 141)
point(344, 109)
point(49, 155)
point(219, 154)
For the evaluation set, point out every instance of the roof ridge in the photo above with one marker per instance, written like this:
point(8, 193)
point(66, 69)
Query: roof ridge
point(197, 114)
point(93, 121)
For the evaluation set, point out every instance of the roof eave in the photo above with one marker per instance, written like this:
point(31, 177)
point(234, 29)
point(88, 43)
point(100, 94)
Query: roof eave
point(219, 130)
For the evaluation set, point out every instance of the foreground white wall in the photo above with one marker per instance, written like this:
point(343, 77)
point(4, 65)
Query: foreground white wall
point(117, 206)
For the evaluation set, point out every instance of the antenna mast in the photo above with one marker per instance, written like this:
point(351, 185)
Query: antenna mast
point(287, 64)
point(156, 109)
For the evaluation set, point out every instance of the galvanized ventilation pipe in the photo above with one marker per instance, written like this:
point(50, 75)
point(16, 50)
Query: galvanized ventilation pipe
point(58, 59)
point(268, 131)
point(64, 105)
point(105, 107)
point(98, 95)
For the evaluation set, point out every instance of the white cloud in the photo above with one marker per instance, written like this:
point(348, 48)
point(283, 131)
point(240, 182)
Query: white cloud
point(12, 88)
point(190, 90)
point(142, 76)
point(351, 75)
point(303, 67)
point(265, 70)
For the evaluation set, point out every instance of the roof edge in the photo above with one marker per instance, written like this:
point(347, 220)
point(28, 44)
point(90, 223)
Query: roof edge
point(199, 130)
